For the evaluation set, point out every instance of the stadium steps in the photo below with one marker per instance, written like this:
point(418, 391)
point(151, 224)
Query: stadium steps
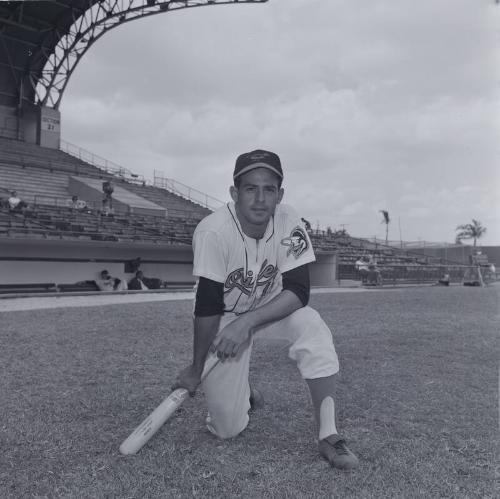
point(17, 154)
point(34, 184)
point(177, 206)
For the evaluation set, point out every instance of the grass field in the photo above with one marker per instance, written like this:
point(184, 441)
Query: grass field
point(417, 401)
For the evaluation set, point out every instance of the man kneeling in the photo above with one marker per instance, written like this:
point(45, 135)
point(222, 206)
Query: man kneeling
point(251, 258)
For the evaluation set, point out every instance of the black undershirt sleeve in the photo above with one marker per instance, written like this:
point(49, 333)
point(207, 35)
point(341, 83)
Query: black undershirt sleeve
point(209, 298)
point(297, 281)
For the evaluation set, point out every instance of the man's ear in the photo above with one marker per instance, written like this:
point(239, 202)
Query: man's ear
point(280, 194)
point(233, 191)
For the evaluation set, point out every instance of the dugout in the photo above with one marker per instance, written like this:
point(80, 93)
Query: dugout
point(66, 262)
point(24, 261)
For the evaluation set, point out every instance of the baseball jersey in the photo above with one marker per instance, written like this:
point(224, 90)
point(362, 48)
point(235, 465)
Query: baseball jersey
point(249, 268)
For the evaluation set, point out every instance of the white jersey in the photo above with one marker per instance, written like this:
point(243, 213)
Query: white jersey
point(250, 269)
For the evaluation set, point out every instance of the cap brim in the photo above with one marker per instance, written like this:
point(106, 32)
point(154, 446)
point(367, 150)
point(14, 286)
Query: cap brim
point(253, 166)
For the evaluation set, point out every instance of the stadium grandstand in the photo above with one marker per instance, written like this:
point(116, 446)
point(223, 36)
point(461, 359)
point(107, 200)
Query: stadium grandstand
point(51, 246)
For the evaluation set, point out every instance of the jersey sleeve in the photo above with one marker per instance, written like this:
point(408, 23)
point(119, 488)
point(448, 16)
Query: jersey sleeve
point(209, 260)
point(295, 248)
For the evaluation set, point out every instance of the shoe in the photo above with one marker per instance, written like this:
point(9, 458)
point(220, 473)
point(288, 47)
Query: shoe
point(336, 452)
point(256, 399)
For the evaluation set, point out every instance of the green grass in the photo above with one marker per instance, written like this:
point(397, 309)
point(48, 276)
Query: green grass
point(417, 401)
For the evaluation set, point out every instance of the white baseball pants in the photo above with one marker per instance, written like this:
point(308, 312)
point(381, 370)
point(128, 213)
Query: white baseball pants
point(226, 388)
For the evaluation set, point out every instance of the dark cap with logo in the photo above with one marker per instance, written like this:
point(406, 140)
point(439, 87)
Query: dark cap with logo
point(257, 159)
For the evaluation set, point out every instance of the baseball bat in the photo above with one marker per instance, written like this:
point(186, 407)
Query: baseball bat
point(152, 423)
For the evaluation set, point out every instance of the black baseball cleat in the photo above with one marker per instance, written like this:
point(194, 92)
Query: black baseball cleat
point(336, 452)
point(256, 399)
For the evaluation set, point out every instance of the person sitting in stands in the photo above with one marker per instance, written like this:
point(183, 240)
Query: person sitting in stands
point(445, 280)
point(16, 203)
point(137, 281)
point(373, 272)
point(76, 204)
point(362, 267)
point(105, 282)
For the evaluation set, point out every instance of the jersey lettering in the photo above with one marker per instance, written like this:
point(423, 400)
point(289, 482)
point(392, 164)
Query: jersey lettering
point(246, 284)
point(250, 270)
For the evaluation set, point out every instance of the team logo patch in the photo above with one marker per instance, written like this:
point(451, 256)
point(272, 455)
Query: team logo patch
point(296, 242)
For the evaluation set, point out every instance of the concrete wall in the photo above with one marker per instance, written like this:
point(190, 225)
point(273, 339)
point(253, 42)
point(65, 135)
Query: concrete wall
point(323, 271)
point(29, 123)
point(9, 123)
point(49, 127)
point(65, 262)
point(35, 124)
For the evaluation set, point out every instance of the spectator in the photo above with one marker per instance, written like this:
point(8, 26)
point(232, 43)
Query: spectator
point(137, 282)
point(306, 223)
point(105, 282)
point(445, 280)
point(373, 272)
point(76, 204)
point(107, 201)
point(493, 270)
point(362, 266)
point(16, 203)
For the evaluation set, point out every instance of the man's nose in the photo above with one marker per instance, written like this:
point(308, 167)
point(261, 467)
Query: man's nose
point(259, 195)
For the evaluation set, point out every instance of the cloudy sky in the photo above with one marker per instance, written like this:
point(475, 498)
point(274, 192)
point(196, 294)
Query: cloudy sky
point(381, 105)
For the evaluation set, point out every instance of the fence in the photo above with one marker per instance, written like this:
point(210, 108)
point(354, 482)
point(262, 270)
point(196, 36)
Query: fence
point(190, 215)
point(100, 162)
point(421, 274)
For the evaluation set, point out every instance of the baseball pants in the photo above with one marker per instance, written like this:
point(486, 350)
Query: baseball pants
point(227, 390)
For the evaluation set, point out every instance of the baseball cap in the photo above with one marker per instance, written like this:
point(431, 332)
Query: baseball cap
point(257, 159)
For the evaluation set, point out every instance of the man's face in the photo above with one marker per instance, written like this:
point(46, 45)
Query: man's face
point(256, 198)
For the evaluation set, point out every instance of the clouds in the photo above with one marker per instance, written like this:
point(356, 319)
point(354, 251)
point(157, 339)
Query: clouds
point(379, 105)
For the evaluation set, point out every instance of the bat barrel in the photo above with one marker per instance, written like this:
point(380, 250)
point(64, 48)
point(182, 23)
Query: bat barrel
point(140, 436)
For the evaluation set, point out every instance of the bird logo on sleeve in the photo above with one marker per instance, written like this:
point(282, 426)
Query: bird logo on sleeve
point(296, 242)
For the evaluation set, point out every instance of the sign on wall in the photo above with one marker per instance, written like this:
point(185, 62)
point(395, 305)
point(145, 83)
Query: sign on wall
point(50, 124)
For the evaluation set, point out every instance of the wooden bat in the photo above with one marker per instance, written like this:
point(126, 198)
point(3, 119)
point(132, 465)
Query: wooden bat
point(141, 435)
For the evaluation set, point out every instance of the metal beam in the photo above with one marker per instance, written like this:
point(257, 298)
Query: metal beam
point(98, 19)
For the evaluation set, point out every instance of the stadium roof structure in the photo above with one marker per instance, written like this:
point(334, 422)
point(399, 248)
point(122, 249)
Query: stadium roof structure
point(41, 42)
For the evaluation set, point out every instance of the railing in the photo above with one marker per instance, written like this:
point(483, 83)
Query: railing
point(415, 274)
point(60, 202)
point(182, 190)
point(187, 192)
point(99, 162)
point(377, 246)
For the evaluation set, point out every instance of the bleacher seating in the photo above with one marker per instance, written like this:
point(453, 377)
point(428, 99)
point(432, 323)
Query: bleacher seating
point(20, 162)
point(41, 178)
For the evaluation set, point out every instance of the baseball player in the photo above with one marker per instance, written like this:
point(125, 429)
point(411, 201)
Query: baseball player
point(251, 258)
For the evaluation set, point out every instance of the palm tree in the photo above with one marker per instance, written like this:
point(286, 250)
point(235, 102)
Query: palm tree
point(386, 221)
point(470, 231)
